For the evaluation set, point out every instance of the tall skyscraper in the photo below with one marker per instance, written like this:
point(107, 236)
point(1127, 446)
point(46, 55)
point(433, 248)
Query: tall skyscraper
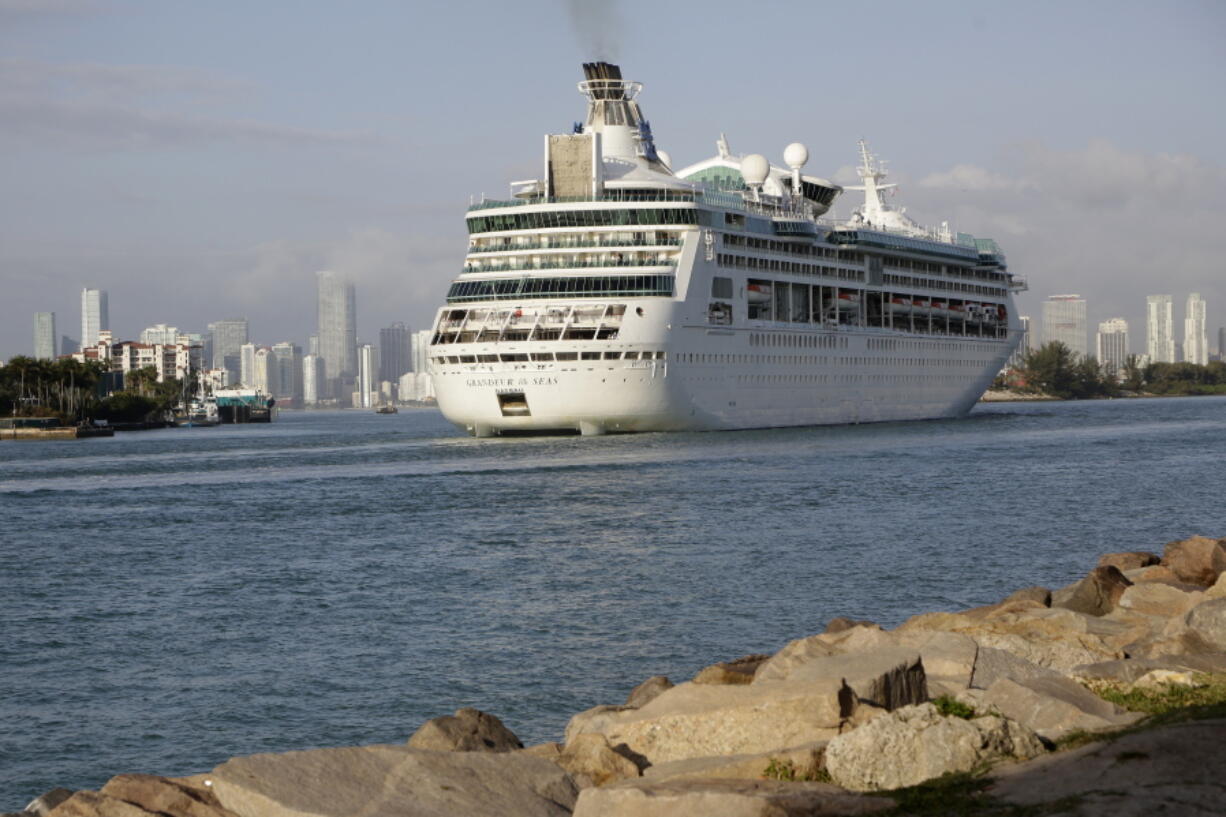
point(1064, 320)
point(44, 336)
point(246, 365)
point(1024, 345)
point(312, 379)
point(395, 352)
point(1159, 332)
point(367, 386)
point(287, 382)
point(228, 338)
point(264, 366)
point(1112, 345)
point(1195, 333)
point(338, 331)
point(95, 315)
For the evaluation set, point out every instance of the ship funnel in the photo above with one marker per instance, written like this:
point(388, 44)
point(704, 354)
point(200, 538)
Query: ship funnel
point(613, 113)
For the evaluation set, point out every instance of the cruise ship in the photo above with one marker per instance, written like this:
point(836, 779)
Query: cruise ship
point(616, 294)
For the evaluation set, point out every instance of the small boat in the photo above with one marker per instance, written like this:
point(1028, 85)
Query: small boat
point(900, 306)
point(387, 409)
point(921, 307)
point(848, 300)
point(758, 293)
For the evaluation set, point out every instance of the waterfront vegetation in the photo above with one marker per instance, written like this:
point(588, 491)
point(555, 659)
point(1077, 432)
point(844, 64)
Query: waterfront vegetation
point(74, 392)
point(1056, 370)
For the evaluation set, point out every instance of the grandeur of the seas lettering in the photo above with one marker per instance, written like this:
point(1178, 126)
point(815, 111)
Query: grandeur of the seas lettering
point(507, 382)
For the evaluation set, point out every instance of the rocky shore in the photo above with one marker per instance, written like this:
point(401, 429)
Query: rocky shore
point(1104, 697)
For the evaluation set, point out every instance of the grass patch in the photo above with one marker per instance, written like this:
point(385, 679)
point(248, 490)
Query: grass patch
point(1167, 703)
point(949, 706)
point(785, 770)
point(962, 795)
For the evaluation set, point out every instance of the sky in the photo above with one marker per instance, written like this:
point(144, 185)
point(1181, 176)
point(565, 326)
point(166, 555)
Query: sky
point(202, 161)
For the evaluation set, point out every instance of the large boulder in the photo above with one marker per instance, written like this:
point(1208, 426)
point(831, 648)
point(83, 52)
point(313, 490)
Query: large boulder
point(1096, 594)
point(593, 762)
point(1175, 770)
point(96, 804)
point(992, 664)
point(737, 671)
point(1128, 670)
point(1208, 622)
point(798, 762)
point(700, 720)
point(42, 805)
point(1039, 595)
point(860, 637)
point(948, 658)
point(139, 795)
point(1053, 707)
point(597, 719)
point(468, 730)
point(724, 798)
point(1129, 560)
point(888, 677)
point(1158, 599)
point(1198, 560)
point(643, 694)
point(917, 743)
point(394, 781)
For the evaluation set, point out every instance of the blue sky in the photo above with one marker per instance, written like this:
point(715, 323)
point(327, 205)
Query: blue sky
point(203, 160)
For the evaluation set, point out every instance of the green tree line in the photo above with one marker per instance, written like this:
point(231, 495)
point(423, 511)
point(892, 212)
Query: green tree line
point(1057, 370)
point(70, 390)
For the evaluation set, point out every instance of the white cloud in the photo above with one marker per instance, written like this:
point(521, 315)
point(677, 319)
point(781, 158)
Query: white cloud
point(972, 178)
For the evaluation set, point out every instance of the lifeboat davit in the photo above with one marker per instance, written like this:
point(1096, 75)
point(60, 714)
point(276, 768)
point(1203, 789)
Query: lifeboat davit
point(848, 300)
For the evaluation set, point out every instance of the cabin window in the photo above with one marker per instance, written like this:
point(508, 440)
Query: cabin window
point(721, 287)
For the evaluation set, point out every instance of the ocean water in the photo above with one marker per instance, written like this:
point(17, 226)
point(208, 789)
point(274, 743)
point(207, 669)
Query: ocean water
point(174, 598)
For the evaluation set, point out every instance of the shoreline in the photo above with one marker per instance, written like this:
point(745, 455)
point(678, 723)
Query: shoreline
point(846, 721)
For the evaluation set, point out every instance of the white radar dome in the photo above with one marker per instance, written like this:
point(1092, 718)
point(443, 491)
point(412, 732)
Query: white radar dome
point(755, 169)
point(795, 155)
point(664, 158)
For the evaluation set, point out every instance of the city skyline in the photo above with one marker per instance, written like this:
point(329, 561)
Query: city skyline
point(192, 182)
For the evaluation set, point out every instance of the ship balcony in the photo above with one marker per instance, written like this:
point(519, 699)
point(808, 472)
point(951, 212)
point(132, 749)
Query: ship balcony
point(614, 260)
point(573, 244)
point(571, 322)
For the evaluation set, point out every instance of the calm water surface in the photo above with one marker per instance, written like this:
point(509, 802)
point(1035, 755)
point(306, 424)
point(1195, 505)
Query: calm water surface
point(174, 598)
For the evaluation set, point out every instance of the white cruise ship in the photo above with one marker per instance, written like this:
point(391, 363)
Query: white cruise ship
point(617, 294)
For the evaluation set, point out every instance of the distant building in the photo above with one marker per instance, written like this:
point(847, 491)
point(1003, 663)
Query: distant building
point(95, 315)
point(168, 360)
point(312, 379)
point(1195, 332)
point(159, 333)
point(287, 380)
point(338, 330)
point(1221, 343)
point(1018, 358)
point(1159, 332)
point(313, 345)
point(395, 352)
point(421, 350)
point(1111, 345)
point(1064, 320)
point(44, 336)
point(69, 345)
point(246, 364)
point(229, 335)
point(367, 382)
point(265, 370)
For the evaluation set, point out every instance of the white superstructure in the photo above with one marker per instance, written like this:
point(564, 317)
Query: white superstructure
point(616, 294)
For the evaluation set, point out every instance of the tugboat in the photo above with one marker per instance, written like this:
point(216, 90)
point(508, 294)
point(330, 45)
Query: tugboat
point(387, 408)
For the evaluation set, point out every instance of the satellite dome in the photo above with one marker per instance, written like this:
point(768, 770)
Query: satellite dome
point(795, 155)
point(664, 158)
point(755, 169)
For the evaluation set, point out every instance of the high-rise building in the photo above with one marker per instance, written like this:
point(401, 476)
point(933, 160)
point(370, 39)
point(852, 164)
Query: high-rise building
point(338, 331)
point(1159, 331)
point(1195, 333)
point(1221, 343)
point(95, 315)
point(395, 352)
point(313, 345)
point(44, 335)
point(1112, 345)
point(246, 364)
point(420, 350)
point(1064, 320)
point(160, 333)
point(367, 384)
point(264, 367)
point(229, 335)
point(312, 379)
point(1023, 347)
point(287, 381)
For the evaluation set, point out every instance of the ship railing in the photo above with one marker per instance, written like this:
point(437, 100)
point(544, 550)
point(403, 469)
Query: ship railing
point(611, 195)
point(544, 265)
point(565, 245)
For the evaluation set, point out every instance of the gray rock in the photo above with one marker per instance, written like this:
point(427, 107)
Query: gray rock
point(1053, 707)
point(1096, 594)
point(1208, 622)
point(916, 743)
point(797, 652)
point(737, 671)
point(468, 730)
point(841, 623)
point(700, 720)
point(991, 665)
point(1129, 560)
point(597, 718)
point(1176, 770)
point(949, 658)
point(1158, 599)
point(724, 798)
point(889, 677)
point(1041, 595)
point(593, 762)
point(394, 781)
point(645, 692)
point(1198, 560)
point(1128, 670)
